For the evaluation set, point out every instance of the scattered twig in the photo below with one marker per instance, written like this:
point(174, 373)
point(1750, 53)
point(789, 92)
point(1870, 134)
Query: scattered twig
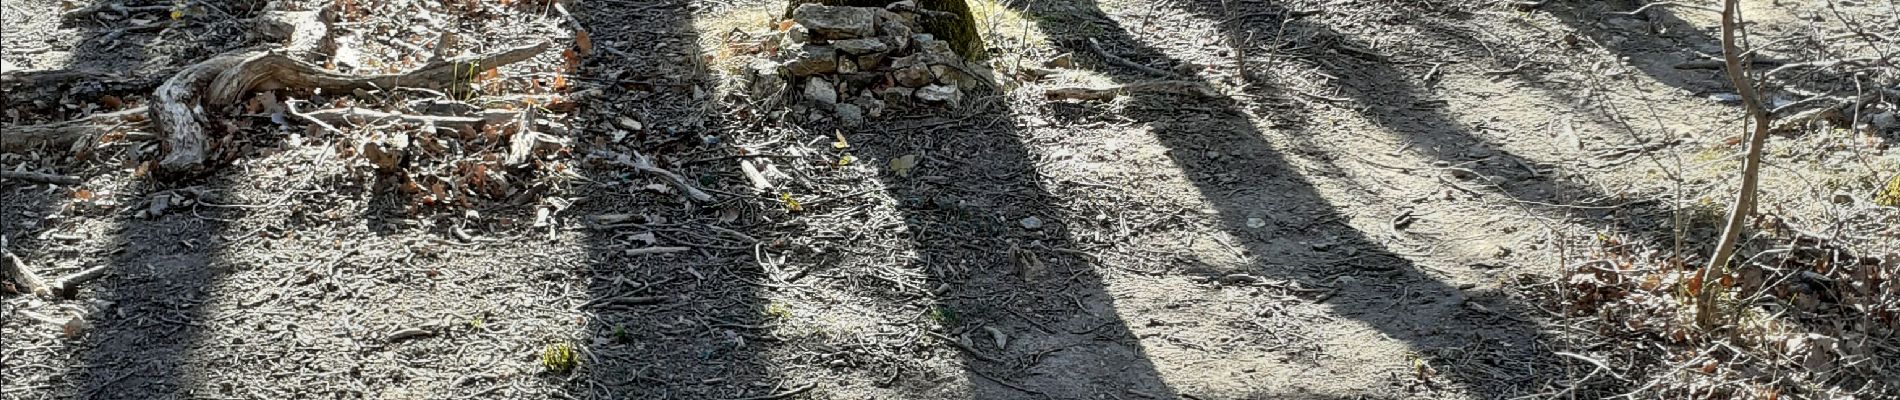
point(656, 250)
point(406, 334)
point(1118, 60)
point(1645, 7)
point(960, 345)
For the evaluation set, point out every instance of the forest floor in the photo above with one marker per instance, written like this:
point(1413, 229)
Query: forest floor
point(1388, 199)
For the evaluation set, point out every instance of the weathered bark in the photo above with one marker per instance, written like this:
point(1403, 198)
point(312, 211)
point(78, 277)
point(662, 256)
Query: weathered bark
point(182, 103)
point(951, 22)
point(63, 135)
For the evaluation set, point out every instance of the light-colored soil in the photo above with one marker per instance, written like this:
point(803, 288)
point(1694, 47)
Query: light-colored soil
point(1372, 211)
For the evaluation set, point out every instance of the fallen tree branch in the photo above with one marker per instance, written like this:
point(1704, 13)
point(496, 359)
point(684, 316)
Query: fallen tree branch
point(364, 116)
point(68, 285)
point(221, 81)
point(40, 177)
point(644, 164)
point(64, 135)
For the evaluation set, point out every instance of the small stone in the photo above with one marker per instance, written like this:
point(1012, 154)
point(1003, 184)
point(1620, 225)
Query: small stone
point(629, 124)
point(812, 60)
point(1256, 223)
point(1032, 223)
point(831, 22)
point(939, 94)
point(873, 107)
point(1726, 98)
point(1843, 198)
point(820, 91)
point(850, 115)
point(847, 66)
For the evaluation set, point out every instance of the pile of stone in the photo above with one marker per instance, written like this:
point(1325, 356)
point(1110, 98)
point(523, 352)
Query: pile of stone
point(847, 64)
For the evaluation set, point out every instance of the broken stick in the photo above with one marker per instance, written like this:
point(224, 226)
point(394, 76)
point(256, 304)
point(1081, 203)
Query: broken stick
point(40, 177)
point(644, 164)
point(17, 270)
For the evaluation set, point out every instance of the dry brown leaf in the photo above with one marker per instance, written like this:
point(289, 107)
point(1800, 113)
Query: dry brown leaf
point(583, 42)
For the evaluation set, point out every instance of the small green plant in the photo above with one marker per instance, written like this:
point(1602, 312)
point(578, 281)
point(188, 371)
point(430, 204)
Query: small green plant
point(778, 311)
point(943, 315)
point(478, 323)
point(560, 357)
point(621, 335)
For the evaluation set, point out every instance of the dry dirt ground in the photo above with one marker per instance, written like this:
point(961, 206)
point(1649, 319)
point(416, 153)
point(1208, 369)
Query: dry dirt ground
point(1379, 207)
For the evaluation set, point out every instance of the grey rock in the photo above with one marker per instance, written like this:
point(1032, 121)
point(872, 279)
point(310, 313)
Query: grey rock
point(951, 76)
point(819, 90)
point(831, 22)
point(939, 94)
point(766, 80)
point(1884, 120)
point(798, 34)
point(938, 50)
point(850, 115)
point(1032, 223)
point(909, 72)
point(811, 60)
point(869, 62)
point(891, 25)
point(861, 46)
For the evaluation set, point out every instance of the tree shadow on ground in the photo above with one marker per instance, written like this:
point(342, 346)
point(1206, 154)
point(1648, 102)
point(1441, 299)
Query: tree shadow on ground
point(965, 210)
point(147, 311)
point(1482, 343)
point(125, 49)
point(671, 325)
point(162, 276)
point(1468, 157)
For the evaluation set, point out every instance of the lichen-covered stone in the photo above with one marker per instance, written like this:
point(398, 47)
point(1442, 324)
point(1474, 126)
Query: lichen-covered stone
point(811, 60)
point(834, 23)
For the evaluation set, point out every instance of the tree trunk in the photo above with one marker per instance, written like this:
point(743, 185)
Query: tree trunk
point(954, 24)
